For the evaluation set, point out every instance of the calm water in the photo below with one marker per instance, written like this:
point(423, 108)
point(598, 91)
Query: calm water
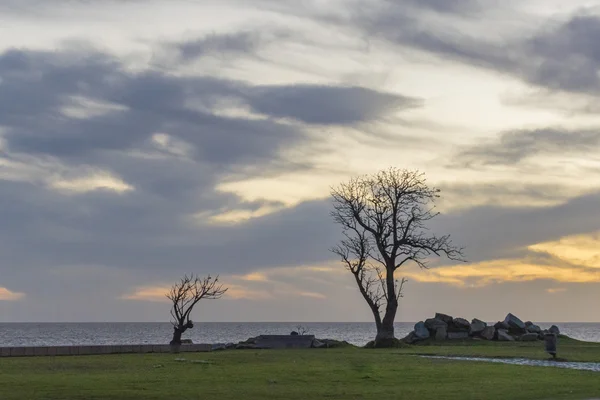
point(582, 366)
point(55, 334)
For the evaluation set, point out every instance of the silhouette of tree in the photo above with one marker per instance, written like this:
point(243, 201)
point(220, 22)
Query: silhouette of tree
point(185, 295)
point(383, 218)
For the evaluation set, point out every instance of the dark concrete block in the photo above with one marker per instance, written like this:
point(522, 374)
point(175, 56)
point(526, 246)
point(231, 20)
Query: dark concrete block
point(40, 351)
point(146, 348)
point(17, 351)
point(63, 350)
point(125, 349)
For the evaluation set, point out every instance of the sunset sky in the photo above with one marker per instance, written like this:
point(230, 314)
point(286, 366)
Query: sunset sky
point(141, 140)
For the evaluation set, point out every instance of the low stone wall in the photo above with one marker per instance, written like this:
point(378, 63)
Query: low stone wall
point(35, 351)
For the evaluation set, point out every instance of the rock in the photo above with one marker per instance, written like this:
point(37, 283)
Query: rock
point(441, 333)
point(529, 337)
point(458, 335)
point(250, 341)
point(421, 332)
point(410, 338)
point(528, 324)
point(477, 326)
point(219, 346)
point(488, 333)
point(501, 325)
point(515, 324)
point(459, 325)
point(503, 336)
point(554, 329)
point(244, 346)
point(317, 344)
point(443, 317)
point(534, 329)
point(331, 343)
point(433, 324)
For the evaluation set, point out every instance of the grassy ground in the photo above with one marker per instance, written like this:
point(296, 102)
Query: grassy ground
point(348, 373)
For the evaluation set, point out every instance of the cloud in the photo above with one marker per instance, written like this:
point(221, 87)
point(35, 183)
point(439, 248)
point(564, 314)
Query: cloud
point(100, 181)
point(583, 250)
point(507, 193)
point(515, 146)
point(149, 293)
point(508, 270)
point(7, 295)
point(327, 105)
point(570, 259)
point(559, 56)
point(217, 44)
point(492, 232)
point(564, 57)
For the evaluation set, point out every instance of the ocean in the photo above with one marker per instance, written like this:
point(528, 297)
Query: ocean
point(93, 333)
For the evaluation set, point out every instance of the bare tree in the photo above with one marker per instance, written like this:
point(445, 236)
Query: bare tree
point(383, 218)
point(185, 295)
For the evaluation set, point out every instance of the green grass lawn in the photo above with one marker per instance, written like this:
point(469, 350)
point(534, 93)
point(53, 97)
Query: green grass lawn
point(348, 373)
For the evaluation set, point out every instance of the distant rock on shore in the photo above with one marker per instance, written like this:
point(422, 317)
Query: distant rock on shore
point(281, 341)
point(444, 327)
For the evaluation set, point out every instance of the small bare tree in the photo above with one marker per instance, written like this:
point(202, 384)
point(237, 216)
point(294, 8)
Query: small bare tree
point(383, 218)
point(185, 295)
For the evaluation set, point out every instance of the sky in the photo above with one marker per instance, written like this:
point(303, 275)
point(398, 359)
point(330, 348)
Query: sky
point(142, 140)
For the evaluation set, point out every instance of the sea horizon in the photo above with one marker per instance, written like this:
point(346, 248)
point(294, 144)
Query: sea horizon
point(113, 333)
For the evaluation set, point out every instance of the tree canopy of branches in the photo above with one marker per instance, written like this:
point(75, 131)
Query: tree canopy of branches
point(383, 219)
point(185, 294)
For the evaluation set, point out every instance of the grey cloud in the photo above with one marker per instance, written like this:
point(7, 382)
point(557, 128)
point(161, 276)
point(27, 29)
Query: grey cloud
point(515, 146)
point(233, 43)
point(560, 57)
point(315, 104)
point(152, 228)
point(566, 57)
point(493, 232)
point(39, 84)
point(443, 6)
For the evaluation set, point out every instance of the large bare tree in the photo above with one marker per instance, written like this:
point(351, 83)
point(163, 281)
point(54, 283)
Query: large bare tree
point(383, 218)
point(185, 294)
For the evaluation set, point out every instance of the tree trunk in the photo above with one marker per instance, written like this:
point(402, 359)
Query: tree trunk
point(177, 332)
point(385, 330)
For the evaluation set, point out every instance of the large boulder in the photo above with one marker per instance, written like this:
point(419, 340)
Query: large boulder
point(458, 335)
point(459, 325)
point(529, 337)
point(477, 326)
point(441, 333)
point(515, 324)
point(410, 338)
point(534, 329)
point(443, 317)
point(554, 329)
point(503, 336)
point(488, 333)
point(433, 324)
point(501, 325)
point(421, 331)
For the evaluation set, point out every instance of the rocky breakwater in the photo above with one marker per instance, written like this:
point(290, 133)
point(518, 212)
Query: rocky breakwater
point(444, 327)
